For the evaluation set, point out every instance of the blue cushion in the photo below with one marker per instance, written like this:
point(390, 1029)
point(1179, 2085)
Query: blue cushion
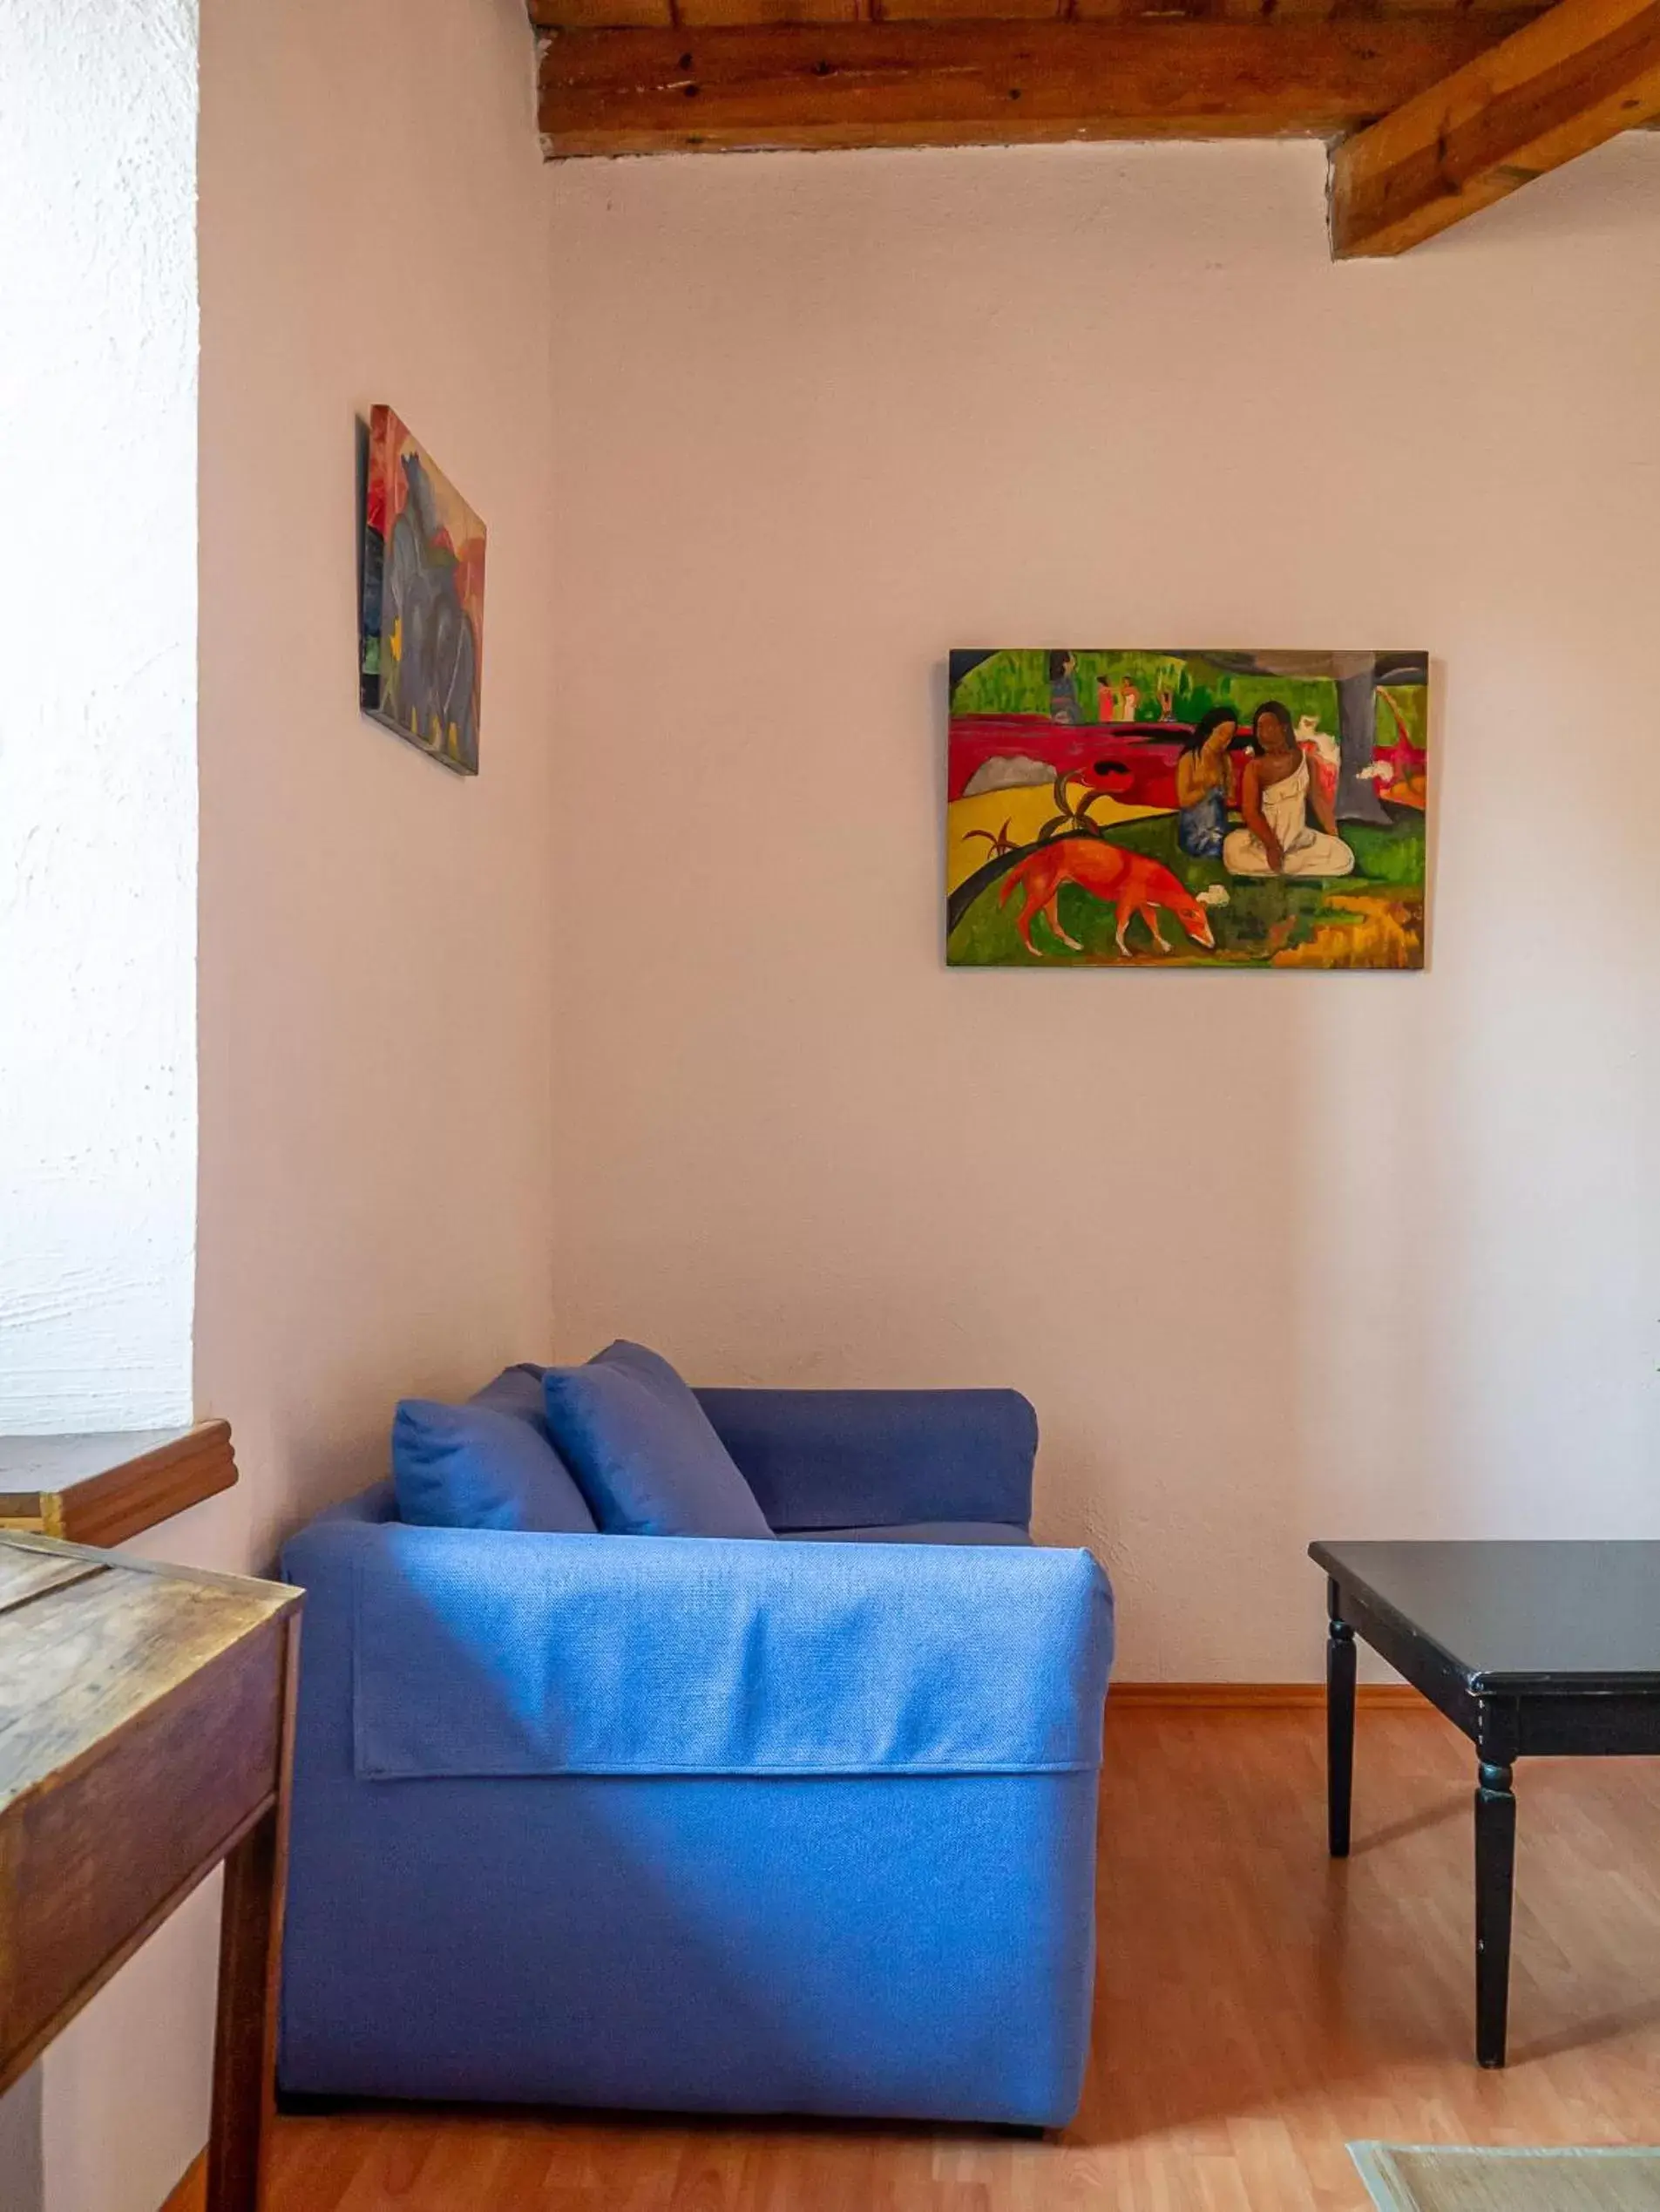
point(478, 1467)
point(846, 1459)
point(643, 1451)
point(994, 1532)
point(517, 1391)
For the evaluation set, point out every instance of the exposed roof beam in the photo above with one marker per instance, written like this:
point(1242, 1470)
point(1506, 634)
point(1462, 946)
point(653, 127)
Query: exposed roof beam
point(1574, 76)
point(606, 92)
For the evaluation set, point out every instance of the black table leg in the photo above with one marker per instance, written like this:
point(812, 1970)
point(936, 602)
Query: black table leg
point(1339, 1731)
point(1495, 1869)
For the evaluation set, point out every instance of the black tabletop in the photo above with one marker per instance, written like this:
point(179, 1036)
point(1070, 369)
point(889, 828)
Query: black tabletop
point(1536, 1617)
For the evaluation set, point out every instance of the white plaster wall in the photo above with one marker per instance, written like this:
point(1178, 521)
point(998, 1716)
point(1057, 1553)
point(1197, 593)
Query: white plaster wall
point(98, 635)
point(1276, 1256)
point(98, 868)
point(127, 2083)
point(375, 976)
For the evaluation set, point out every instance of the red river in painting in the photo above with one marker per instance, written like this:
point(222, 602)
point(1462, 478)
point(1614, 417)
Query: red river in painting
point(1147, 751)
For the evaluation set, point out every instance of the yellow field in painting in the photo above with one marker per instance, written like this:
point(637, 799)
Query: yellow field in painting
point(1024, 811)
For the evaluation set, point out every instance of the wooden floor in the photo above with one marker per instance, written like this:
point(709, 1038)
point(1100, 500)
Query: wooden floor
point(1257, 2007)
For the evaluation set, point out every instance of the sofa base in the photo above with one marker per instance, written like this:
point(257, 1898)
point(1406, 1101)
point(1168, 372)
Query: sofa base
point(899, 1948)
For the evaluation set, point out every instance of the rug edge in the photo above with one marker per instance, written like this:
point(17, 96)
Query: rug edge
point(1377, 2170)
point(1391, 2192)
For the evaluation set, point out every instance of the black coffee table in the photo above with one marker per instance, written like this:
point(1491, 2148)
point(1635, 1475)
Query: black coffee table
point(1531, 1649)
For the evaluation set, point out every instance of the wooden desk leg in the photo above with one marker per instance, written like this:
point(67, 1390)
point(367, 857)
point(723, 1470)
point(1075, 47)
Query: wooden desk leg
point(243, 2053)
point(1339, 1731)
point(1495, 1870)
point(250, 1953)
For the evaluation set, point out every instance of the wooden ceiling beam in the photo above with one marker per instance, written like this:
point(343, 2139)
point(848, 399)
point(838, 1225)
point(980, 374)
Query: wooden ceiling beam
point(1564, 82)
point(822, 85)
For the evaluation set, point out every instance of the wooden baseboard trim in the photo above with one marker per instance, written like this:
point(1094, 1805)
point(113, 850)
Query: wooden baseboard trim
point(1256, 1697)
point(191, 2195)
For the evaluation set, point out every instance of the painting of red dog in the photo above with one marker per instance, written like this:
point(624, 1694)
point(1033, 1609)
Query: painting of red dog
point(1123, 808)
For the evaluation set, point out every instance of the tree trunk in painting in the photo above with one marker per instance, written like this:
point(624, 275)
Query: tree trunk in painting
point(1357, 799)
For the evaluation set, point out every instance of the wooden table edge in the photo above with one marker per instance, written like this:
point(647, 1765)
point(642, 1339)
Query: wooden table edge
point(1476, 1682)
point(137, 1493)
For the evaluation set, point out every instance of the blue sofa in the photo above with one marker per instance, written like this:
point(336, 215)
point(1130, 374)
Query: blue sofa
point(703, 1824)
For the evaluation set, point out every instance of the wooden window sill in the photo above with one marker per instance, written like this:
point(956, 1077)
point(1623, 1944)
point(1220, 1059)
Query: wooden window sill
point(104, 1487)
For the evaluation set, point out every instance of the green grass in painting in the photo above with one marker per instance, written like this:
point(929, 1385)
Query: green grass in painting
point(1009, 684)
point(1018, 683)
point(1262, 917)
point(1394, 856)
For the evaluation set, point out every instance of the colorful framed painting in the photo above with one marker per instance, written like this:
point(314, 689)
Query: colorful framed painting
point(1189, 808)
point(422, 631)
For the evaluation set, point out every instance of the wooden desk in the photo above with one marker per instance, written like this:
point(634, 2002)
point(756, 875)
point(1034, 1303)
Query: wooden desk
point(146, 1724)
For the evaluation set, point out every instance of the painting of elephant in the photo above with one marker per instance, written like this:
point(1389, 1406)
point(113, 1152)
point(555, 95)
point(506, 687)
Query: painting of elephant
point(423, 593)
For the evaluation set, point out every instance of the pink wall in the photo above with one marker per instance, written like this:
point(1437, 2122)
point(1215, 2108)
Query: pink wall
point(1275, 1255)
point(375, 953)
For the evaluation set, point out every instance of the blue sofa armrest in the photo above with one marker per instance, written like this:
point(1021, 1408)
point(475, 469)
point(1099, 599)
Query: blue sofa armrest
point(555, 1797)
point(476, 1653)
point(844, 1459)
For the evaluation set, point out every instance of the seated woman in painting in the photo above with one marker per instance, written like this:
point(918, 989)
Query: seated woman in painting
point(1275, 795)
point(1202, 784)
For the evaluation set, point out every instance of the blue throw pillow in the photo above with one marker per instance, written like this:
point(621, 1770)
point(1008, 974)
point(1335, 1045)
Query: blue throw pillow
point(479, 1466)
point(517, 1391)
point(643, 1451)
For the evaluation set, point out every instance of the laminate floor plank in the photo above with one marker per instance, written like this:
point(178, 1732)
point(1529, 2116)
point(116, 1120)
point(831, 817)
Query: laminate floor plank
point(1257, 2007)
